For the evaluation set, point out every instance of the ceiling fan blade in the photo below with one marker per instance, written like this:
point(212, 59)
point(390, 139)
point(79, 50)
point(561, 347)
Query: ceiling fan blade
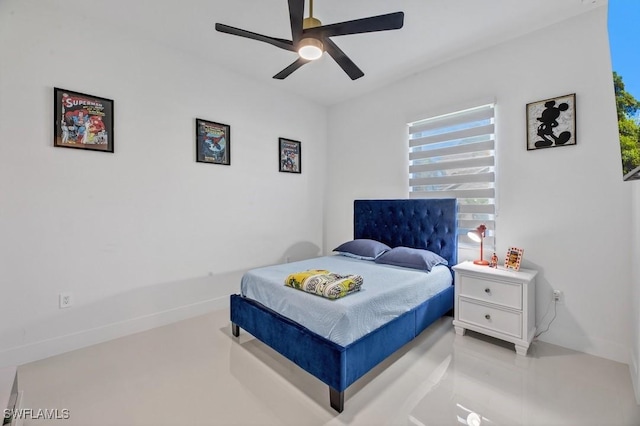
point(291, 68)
point(342, 59)
point(390, 21)
point(296, 12)
point(278, 42)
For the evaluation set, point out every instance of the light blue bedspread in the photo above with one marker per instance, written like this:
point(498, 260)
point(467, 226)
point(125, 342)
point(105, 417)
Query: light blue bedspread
point(387, 292)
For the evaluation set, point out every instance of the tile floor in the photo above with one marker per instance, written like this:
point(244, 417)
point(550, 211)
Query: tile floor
point(195, 373)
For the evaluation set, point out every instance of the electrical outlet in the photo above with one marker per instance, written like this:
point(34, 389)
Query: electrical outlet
point(65, 300)
point(558, 296)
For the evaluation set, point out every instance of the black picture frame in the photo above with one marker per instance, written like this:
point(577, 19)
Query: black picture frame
point(82, 121)
point(289, 156)
point(551, 123)
point(213, 142)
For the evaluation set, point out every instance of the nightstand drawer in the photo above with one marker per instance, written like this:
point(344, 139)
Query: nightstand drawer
point(491, 318)
point(500, 293)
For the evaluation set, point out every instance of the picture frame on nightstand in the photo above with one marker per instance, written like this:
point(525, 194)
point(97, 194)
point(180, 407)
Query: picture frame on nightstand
point(513, 258)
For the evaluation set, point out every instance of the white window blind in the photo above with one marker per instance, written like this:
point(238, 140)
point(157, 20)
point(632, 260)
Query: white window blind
point(453, 156)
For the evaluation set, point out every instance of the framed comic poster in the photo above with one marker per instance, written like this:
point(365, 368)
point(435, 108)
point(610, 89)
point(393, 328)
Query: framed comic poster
point(290, 156)
point(513, 258)
point(213, 142)
point(551, 123)
point(82, 121)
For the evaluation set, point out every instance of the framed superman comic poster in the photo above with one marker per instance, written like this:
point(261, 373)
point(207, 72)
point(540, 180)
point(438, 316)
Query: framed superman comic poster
point(82, 121)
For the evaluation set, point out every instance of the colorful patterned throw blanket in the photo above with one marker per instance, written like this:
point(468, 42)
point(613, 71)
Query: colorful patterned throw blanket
point(324, 283)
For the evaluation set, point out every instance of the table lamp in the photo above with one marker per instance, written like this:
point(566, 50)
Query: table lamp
point(477, 235)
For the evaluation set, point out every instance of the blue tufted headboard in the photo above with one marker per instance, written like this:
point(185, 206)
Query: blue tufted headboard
point(421, 223)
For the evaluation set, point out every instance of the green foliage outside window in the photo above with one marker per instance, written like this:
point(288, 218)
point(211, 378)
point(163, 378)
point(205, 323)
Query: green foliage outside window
point(628, 125)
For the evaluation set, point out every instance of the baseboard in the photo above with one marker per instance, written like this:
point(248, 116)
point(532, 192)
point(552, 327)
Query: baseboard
point(60, 344)
point(588, 344)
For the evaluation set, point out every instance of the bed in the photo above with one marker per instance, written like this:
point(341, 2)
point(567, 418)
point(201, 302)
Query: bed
point(424, 224)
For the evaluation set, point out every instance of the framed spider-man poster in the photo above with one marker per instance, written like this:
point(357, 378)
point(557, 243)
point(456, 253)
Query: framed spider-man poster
point(213, 142)
point(551, 122)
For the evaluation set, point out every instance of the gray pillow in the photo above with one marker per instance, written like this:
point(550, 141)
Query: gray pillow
point(362, 249)
point(411, 258)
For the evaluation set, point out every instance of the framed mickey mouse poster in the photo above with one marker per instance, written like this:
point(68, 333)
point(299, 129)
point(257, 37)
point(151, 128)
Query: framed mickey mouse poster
point(551, 123)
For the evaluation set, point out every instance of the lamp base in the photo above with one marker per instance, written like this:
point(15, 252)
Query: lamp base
point(481, 262)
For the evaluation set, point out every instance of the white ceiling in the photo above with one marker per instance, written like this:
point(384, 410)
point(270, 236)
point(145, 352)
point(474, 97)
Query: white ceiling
point(434, 31)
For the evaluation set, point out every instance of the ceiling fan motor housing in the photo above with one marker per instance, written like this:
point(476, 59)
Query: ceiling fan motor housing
point(310, 22)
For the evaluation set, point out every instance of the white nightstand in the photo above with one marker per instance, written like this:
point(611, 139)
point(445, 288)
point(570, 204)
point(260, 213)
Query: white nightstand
point(497, 302)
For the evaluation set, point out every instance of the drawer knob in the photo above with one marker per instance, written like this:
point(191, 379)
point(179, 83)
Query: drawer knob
point(487, 290)
point(488, 316)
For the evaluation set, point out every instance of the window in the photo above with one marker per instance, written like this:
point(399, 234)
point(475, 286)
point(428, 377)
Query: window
point(453, 156)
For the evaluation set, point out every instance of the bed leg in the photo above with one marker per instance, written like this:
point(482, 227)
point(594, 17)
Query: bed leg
point(336, 399)
point(235, 329)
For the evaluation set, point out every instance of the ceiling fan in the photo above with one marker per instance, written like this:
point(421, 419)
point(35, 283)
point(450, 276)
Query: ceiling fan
point(310, 38)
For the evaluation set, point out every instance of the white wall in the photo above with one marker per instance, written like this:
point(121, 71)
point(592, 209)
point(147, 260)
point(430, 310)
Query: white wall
point(567, 207)
point(146, 235)
point(634, 364)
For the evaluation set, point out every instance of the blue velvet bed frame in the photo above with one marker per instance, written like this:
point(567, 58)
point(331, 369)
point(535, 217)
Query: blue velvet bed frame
point(426, 224)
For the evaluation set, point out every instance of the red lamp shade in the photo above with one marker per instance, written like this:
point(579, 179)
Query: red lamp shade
point(477, 235)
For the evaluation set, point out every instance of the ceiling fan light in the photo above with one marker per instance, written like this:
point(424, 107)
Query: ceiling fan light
point(310, 48)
